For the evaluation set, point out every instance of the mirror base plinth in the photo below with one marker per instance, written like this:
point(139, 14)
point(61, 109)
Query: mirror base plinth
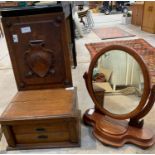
point(116, 133)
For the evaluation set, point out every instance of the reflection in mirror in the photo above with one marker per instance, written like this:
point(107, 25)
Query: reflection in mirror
point(118, 82)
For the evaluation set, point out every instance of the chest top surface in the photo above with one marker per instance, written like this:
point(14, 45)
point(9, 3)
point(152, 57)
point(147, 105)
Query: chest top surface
point(40, 103)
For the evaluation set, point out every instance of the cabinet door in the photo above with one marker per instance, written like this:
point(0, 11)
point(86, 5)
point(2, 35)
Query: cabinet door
point(148, 17)
point(139, 14)
point(134, 14)
point(39, 50)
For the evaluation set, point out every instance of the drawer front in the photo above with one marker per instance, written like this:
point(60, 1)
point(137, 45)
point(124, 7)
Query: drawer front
point(40, 128)
point(42, 138)
point(43, 132)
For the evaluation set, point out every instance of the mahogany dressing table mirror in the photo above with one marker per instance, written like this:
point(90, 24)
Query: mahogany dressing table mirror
point(120, 86)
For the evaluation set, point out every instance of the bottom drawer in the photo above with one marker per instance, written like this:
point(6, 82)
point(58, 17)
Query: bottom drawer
point(42, 138)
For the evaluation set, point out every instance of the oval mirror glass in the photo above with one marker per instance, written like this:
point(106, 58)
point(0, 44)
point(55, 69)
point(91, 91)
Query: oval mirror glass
point(118, 82)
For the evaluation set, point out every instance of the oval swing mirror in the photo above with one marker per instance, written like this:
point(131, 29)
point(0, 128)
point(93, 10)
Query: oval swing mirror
point(118, 82)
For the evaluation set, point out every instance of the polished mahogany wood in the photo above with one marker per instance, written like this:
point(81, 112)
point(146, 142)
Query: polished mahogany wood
point(117, 133)
point(114, 129)
point(147, 83)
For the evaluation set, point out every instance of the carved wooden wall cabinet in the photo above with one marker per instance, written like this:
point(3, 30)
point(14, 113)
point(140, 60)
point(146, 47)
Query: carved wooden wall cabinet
point(44, 111)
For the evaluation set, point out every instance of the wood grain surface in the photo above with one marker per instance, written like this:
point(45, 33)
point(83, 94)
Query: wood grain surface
point(33, 103)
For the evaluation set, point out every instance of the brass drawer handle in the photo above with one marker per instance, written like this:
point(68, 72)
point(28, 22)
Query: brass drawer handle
point(40, 129)
point(43, 137)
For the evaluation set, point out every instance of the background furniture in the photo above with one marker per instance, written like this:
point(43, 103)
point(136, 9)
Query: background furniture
point(137, 13)
point(148, 23)
point(86, 18)
point(40, 116)
point(82, 14)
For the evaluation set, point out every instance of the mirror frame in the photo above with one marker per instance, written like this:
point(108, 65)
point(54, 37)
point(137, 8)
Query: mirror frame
point(147, 83)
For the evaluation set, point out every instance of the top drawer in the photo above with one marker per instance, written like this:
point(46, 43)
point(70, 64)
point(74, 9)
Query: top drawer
point(40, 128)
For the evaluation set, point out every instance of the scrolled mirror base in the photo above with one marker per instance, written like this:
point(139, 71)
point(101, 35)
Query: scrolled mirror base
point(116, 133)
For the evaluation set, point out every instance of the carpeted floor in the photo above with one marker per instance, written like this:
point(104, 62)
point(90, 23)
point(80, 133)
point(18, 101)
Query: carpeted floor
point(142, 47)
point(111, 33)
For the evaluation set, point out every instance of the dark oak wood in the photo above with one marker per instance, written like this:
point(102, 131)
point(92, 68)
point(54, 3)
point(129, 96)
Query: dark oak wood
point(9, 135)
point(45, 102)
point(54, 42)
point(60, 6)
point(44, 112)
point(114, 129)
point(51, 120)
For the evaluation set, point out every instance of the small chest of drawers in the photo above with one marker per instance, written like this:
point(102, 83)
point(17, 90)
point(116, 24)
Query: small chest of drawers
point(47, 123)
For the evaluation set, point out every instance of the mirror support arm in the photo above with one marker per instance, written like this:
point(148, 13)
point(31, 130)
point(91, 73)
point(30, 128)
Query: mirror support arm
point(136, 123)
point(139, 123)
point(85, 76)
